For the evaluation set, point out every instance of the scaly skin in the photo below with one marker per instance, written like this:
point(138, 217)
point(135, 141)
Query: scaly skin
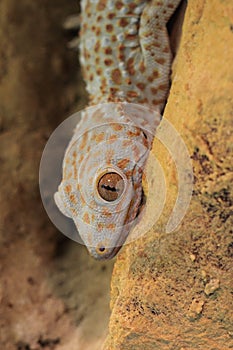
point(125, 57)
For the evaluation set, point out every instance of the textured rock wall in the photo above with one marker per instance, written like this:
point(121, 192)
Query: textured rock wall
point(173, 291)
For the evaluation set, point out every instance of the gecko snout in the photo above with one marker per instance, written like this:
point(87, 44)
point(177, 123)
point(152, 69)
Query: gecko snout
point(101, 252)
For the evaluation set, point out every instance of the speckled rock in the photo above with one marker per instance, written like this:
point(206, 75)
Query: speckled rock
point(163, 295)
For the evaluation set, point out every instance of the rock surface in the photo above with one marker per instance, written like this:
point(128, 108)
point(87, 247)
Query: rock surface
point(173, 291)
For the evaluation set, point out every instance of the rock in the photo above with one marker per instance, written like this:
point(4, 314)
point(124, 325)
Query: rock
point(156, 284)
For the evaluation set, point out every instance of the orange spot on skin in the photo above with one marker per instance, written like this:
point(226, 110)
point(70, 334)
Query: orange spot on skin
point(123, 22)
point(154, 90)
point(130, 36)
point(121, 57)
point(111, 15)
point(101, 5)
point(155, 74)
point(133, 134)
point(126, 143)
point(97, 32)
point(156, 44)
point(142, 67)
point(86, 218)
point(166, 49)
point(157, 102)
point(132, 94)
point(141, 86)
point(68, 189)
point(84, 27)
point(99, 71)
point(121, 47)
point(106, 212)
point(75, 169)
point(130, 66)
point(73, 211)
point(129, 174)
point(122, 164)
point(119, 5)
point(84, 142)
point(116, 76)
point(109, 28)
point(99, 137)
point(69, 175)
point(100, 226)
point(86, 54)
point(112, 139)
point(111, 226)
point(136, 152)
point(108, 62)
point(114, 90)
point(73, 199)
point(132, 6)
point(162, 87)
point(108, 51)
point(103, 84)
point(97, 46)
point(116, 127)
point(160, 60)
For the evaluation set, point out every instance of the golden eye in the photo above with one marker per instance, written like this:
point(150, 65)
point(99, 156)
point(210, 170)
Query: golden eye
point(110, 186)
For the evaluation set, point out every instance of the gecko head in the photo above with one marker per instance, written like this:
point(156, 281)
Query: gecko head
point(101, 190)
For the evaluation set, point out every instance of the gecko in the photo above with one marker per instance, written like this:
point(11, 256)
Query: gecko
point(126, 61)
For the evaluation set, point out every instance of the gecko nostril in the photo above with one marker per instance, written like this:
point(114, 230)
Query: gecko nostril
point(101, 249)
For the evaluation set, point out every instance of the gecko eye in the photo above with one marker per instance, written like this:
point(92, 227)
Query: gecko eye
point(110, 186)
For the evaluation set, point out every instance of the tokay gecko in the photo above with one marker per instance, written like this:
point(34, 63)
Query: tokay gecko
point(126, 61)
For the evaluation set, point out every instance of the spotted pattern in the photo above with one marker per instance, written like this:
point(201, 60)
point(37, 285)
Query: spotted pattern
point(125, 57)
point(124, 50)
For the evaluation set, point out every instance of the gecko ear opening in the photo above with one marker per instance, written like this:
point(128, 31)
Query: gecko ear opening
point(60, 205)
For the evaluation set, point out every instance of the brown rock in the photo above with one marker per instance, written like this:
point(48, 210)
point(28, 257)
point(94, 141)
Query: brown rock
point(156, 287)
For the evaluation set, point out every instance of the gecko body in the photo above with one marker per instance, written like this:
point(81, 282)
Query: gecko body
point(125, 58)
